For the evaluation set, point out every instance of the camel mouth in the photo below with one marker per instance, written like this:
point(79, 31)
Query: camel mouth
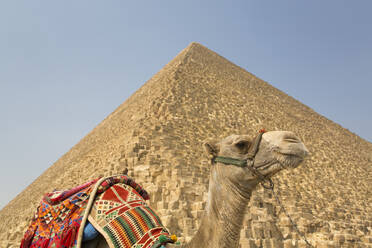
point(288, 154)
point(290, 160)
point(298, 150)
point(265, 166)
point(283, 159)
point(271, 169)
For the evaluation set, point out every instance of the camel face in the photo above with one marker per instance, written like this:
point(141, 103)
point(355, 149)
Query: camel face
point(283, 147)
point(277, 150)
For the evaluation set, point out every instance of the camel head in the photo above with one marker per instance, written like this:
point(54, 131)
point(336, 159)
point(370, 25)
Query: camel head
point(268, 153)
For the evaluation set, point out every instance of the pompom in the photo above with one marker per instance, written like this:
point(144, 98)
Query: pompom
point(174, 238)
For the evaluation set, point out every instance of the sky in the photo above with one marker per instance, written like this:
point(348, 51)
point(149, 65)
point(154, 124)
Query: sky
point(66, 65)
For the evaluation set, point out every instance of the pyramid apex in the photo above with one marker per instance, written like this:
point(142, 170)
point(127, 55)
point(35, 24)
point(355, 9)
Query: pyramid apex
point(194, 45)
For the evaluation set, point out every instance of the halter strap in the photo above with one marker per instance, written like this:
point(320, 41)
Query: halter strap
point(233, 161)
point(244, 162)
point(254, 148)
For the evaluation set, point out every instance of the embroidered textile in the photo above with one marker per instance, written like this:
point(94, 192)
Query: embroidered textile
point(58, 217)
point(125, 219)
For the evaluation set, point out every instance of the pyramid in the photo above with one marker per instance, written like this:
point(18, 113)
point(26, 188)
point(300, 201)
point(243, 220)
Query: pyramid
point(158, 132)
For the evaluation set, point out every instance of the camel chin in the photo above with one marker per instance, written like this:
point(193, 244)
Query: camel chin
point(289, 161)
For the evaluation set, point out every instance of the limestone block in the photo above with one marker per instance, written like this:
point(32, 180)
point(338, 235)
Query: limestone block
point(246, 232)
point(267, 232)
point(248, 243)
point(257, 231)
point(323, 244)
point(197, 214)
point(188, 222)
point(170, 221)
point(302, 244)
point(161, 205)
point(339, 238)
point(289, 243)
point(367, 239)
point(198, 205)
point(350, 238)
point(267, 244)
point(173, 205)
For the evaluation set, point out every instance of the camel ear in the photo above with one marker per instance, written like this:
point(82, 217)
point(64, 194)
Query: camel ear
point(212, 147)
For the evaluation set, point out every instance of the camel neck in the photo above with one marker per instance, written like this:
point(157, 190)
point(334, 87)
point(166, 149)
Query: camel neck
point(224, 214)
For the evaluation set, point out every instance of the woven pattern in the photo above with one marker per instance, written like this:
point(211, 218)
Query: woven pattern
point(126, 219)
point(56, 225)
point(58, 217)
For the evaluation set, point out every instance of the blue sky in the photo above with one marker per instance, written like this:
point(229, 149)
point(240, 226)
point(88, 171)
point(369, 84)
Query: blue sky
point(66, 65)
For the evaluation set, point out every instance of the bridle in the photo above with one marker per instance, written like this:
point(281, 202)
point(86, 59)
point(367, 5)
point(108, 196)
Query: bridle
point(249, 161)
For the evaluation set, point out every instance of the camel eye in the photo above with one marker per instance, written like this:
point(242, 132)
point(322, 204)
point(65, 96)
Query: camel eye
point(242, 144)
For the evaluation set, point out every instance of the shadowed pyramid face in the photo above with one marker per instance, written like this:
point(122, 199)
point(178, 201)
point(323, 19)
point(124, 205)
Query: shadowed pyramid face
point(277, 150)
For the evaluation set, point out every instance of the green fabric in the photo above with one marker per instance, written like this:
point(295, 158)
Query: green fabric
point(233, 161)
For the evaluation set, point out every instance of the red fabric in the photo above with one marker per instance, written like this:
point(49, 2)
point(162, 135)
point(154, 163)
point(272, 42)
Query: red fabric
point(26, 241)
point(45, 243)
point(69, 236)
point(58, 217)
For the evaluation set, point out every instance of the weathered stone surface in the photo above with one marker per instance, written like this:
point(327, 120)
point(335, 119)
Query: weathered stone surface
point(158, 132)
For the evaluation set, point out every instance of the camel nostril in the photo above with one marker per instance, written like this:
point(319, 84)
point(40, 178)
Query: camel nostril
point(291, 139)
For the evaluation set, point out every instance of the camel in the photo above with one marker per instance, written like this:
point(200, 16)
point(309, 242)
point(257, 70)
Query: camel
point(238, 165)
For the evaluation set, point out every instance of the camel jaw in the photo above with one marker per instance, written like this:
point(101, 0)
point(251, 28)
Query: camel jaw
point(280, 161)
point(290, 160)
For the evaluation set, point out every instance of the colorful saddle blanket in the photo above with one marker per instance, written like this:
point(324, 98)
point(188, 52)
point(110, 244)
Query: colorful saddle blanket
point(119, 213)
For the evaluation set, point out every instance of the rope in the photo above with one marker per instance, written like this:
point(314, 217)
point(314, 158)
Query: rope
point(288, 216)
point(87, 210)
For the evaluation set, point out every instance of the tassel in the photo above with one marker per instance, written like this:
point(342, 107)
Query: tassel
point(69, 235)
point(174, 238)
point(27, 239)
point(66, 237)
point(36, 243)
point(45, 243)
